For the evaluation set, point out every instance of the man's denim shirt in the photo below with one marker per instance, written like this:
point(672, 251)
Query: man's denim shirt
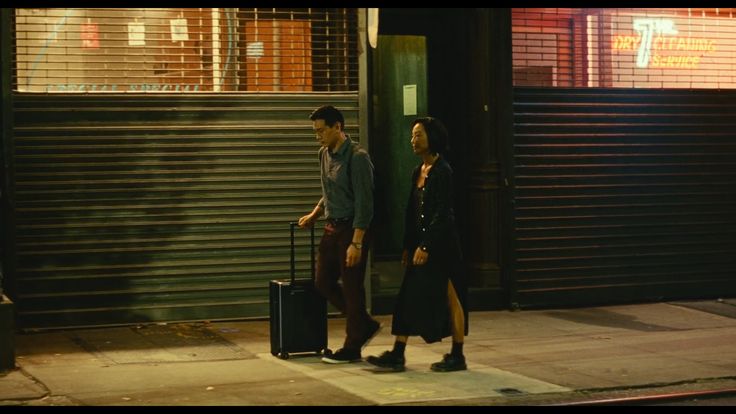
point(343, 196)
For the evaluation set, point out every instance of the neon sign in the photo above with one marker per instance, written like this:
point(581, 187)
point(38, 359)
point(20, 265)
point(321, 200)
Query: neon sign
point(658, 45)
point(143, 87)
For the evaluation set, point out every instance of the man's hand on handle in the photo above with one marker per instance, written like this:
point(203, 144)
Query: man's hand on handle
point(307, 221)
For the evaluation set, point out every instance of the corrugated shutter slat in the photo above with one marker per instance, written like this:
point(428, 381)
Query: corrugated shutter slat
point(160, 208)
point(623, 195)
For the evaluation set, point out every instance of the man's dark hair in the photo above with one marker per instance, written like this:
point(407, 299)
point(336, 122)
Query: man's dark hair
point(437, 135)
point(330, 114)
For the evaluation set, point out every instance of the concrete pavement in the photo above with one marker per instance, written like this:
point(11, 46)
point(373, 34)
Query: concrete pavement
point(514, 358)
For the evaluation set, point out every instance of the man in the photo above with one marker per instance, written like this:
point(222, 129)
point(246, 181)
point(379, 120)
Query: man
point(347, 203)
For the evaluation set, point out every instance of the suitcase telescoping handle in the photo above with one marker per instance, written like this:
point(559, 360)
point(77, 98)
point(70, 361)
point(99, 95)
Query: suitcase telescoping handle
point(292, 225)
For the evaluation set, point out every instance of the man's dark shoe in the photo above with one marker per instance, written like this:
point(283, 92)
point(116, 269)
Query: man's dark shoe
point(342, 356)
point(388, 360)
point(450, 363)
point(373, 329)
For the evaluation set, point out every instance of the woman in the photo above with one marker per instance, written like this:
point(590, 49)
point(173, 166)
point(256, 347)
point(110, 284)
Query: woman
point(431, 302)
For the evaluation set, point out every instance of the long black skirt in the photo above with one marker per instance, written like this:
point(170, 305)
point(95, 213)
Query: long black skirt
point(422, 305)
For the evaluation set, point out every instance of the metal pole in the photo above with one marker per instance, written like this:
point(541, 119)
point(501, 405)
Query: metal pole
point(6, 229)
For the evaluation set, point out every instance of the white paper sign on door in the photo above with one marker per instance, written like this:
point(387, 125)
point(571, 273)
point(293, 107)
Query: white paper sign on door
point(410, 100)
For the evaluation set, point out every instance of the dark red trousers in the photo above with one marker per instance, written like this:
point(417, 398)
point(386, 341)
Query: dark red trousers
point(349, 296)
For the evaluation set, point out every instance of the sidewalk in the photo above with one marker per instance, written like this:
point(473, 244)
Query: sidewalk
point(514, 358)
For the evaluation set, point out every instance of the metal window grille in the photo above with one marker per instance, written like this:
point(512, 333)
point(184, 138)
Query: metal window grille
point(626, 48)
point(185, 50)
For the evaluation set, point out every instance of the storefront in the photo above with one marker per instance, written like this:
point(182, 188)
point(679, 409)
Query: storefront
point(624, 155)
point(157, 156)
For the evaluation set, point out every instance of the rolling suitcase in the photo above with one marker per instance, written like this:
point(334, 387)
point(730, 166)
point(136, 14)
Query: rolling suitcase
point(298, 313)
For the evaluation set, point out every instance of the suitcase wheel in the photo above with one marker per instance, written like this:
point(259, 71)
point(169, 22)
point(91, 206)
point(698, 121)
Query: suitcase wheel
point(284, 355)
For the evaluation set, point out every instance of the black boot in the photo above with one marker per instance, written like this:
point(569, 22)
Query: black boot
point(390, 360)
point(450, 362)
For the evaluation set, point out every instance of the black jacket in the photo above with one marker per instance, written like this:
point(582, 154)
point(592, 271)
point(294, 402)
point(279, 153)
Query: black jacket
point(422, 306)
point(437, 214)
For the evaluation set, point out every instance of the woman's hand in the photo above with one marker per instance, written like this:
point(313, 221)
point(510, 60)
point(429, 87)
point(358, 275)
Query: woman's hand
point(420, 257)
point(405, 258)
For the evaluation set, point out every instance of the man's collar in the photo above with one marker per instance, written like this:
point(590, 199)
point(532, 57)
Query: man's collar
point(343, 147)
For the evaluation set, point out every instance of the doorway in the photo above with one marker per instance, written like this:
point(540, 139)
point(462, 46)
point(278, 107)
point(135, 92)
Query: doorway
point(399, 96)
point(465, 72)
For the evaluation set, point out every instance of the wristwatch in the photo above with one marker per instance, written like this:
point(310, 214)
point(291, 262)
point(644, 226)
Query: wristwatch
point(357, 245)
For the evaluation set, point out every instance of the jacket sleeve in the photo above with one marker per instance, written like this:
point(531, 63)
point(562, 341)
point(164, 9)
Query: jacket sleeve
point(439, 191)
point(409, 213)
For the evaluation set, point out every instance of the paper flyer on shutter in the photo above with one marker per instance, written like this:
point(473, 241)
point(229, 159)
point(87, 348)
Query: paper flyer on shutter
point(136, 34)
